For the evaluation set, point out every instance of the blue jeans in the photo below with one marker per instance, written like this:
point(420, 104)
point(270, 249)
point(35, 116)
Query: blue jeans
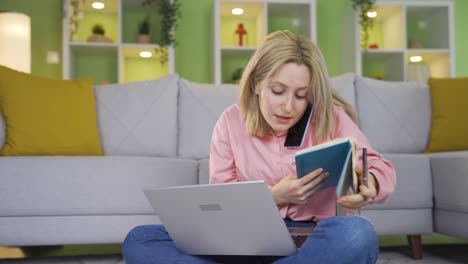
point(339, 239)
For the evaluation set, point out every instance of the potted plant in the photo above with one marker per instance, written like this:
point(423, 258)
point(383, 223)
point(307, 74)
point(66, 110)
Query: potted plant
point(365, 21)
point(98, 34)
point(144, 31)
point(237, 75)
point(169, 11)
point(98, 29)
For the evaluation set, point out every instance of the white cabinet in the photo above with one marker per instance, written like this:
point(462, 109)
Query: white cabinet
point(116, 55)
point(237, 36)
point(410, 40)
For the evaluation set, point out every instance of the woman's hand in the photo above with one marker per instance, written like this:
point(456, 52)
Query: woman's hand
point(359, 199)
point(298, 191)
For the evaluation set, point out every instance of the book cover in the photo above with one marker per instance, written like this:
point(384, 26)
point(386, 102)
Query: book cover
point(337, 157)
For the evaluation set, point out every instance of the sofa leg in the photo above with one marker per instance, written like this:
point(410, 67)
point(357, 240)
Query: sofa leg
point(415, 245)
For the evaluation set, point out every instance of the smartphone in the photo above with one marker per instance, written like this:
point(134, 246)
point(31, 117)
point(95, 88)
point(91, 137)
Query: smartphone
point(296, 133)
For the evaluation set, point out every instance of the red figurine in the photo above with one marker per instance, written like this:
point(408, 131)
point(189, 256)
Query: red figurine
point(241, 32)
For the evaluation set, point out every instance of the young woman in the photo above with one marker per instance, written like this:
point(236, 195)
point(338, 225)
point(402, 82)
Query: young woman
point(284, 76)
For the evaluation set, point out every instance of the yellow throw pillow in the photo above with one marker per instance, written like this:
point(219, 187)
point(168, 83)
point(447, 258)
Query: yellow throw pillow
point(449, 129)
point(48, 117)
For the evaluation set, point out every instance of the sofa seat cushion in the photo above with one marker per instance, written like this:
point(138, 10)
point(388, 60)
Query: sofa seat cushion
point(401, 221)
point(413, 189)
point(412, 170)
point(403, 111)
point(66, 230)
point(139, 118)
point(71, 186)
point(2, 130)
point(451, 223)
point(450, 176)
point(204, 171)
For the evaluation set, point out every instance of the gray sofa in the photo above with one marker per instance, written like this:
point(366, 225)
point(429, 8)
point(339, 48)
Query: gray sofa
point(157, 133)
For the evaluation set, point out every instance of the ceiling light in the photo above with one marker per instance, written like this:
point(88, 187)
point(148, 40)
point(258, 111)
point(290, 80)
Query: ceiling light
point(415, 58)
point(372, 14)
point(146, 54)
point(97, 5)
point(237, 11)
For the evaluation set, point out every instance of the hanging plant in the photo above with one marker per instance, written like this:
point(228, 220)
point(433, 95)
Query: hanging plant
point(365, 21)
point(75, 16)
point(169, 11)
point(237, 75)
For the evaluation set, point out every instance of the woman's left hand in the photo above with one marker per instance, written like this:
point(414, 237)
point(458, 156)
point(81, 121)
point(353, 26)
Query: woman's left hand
point(358, 200)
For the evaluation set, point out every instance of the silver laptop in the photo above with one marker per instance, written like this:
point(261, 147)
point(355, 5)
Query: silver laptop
point(223, 219)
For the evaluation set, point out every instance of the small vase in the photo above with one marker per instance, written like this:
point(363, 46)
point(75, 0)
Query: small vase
point(144, 38)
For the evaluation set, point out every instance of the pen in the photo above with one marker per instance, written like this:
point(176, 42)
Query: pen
point(364, 168)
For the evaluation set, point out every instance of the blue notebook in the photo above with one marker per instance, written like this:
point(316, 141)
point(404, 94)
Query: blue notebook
point(335, 157)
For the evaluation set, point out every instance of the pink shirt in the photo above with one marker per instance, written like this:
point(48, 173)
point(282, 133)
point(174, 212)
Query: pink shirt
point(237, 156)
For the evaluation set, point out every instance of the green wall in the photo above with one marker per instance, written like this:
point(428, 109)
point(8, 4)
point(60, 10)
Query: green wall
point(461, 38)
point(329, 35)
point(194, 52)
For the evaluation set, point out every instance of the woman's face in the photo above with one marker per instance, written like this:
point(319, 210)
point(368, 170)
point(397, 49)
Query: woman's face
point(284, 100)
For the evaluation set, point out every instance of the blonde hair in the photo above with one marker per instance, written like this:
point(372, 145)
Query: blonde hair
point(283, 47)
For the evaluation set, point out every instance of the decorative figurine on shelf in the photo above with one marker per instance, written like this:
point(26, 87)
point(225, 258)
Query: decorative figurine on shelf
point(377, 74)
point(241, 31)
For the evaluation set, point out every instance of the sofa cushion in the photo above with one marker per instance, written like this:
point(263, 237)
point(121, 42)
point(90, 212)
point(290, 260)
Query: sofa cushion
point(413, 189)
point(344, 84)
point(68, 230)
point(200, 106)
point(451, 223)
point(395, 116)
point(71, 186)
point(203, 171)
point(450, 176)
point(46, 116)
point(400, 221)
point(139, 118)
point(449, 111)
point(2, 130)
